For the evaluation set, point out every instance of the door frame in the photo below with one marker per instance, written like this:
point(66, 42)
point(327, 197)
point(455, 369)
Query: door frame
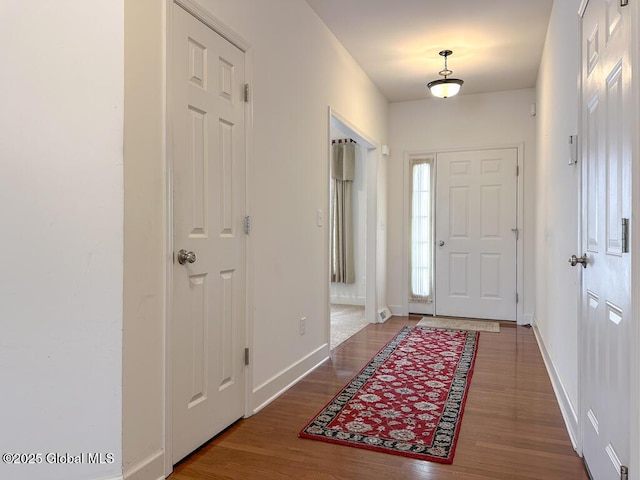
point(635, 240)
point(408, 199)
point(408, 155)
point(634, 463)
point(221, 29)
point(373, 157)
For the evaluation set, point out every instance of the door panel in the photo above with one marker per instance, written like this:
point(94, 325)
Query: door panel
point(208, 318)
point(606, 153)
point(476, 201)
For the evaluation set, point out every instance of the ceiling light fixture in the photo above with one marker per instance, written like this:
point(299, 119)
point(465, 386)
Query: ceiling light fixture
point(445, 87)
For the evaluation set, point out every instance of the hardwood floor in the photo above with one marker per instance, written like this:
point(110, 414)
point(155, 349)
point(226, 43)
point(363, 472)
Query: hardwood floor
point(511, 428)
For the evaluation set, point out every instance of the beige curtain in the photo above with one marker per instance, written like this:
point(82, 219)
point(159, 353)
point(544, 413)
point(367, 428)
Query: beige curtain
point(343, 163)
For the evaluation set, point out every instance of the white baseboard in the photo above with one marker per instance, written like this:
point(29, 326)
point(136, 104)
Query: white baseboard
point(396, 310)
point(337, 300)
point(151, 468)
point(566, 408)
point(526, 319)
point(264, 394)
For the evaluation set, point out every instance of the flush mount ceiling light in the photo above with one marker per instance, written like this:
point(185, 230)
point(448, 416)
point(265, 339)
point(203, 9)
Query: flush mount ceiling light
point(445, 87)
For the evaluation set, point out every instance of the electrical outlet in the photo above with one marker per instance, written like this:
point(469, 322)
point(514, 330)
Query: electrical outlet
point(303, 325)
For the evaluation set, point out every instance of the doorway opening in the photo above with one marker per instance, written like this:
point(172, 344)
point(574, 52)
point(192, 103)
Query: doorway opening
point(352, 239)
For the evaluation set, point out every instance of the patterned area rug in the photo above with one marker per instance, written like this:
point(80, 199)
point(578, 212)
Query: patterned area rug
point(408, 400)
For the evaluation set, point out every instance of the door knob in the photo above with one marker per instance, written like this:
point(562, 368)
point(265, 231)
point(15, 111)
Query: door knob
point(441, 243)
point(186, 257)
point(573, 261)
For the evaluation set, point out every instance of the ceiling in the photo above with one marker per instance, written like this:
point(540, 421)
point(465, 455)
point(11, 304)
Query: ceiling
point(497, 44)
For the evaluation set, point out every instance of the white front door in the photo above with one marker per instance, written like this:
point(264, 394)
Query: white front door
point(208, 152)
point(475, 234)
point(606, 198)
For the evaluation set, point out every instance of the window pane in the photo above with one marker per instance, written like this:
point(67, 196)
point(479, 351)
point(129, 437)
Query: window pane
point(421, 263)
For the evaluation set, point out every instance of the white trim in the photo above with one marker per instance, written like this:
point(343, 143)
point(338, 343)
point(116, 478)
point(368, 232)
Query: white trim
point(634, 55)
point(282, 381)
point(406, 237)
point(569, 413)
point(580, 243)
point(406, 245)
point(582, 8)
point(339, 300)
point(397, 311)
point(361, 138)
point(249, 202)
point(521, 317)
point(213, 23)
point(168, 343)
point(151, 467)
point(520, 256)
point(167, 443)
point(527, 319)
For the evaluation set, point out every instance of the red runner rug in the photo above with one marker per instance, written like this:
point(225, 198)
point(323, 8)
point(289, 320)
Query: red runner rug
point(408, 400)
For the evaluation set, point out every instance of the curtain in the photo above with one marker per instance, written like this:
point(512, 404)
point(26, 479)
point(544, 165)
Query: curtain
point(343, 162)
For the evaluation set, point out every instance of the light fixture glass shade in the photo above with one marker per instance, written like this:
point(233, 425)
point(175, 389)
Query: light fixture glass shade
point(446, 87)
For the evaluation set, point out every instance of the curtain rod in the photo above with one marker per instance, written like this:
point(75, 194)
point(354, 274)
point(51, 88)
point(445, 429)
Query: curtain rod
point(343, 140)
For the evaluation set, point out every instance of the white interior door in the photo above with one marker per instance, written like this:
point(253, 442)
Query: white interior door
point(208, 318)
point(606, 182)
point(476, 233)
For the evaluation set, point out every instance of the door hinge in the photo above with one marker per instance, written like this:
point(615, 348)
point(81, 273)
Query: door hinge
point(246, 356)
point(624, 238)
point(624, 472)
point(517, 298)
point(246, 93)
point(247, 225)
point(516, 231)
point(517, 170)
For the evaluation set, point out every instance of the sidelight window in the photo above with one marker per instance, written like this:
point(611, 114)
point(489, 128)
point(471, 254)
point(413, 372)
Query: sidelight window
point(421, 214)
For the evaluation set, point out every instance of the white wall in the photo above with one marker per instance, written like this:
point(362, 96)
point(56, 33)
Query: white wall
point(61, 197)
point(491, 119)
point(557, 197)
point(298, 71)
point(145, 252)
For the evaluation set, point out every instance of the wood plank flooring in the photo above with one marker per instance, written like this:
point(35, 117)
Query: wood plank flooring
point(511, 429)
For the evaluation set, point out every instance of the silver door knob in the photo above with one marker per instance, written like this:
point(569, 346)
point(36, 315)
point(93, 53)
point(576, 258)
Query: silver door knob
point(441, 243)
point(186, 257)
point(573, 261)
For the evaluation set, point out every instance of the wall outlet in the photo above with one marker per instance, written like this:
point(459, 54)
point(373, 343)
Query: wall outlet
point(303, 325)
